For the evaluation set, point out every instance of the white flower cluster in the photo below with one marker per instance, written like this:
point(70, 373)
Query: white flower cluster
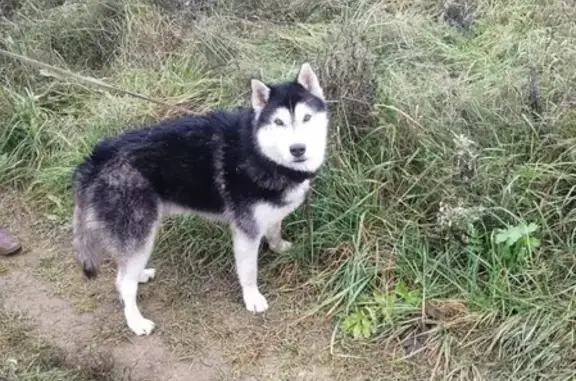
point(465, 163)
point(458, 217)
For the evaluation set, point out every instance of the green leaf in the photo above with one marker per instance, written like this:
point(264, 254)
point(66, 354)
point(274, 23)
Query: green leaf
point(357, 331)
point(402, 290)
point(512, 235)
point(409, 297)
point(531, 228)
point(534, 243)
point(412, 299)
point(359, 324)
point(367, 330)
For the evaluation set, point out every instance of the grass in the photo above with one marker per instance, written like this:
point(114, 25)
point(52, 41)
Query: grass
point(445, 216)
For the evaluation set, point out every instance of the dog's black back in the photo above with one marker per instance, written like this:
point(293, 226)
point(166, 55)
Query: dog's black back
point(197, 162)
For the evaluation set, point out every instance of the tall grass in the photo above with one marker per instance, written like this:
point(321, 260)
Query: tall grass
point(452, 132)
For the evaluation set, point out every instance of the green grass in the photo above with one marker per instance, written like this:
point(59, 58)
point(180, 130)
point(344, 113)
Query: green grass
point(442, 136)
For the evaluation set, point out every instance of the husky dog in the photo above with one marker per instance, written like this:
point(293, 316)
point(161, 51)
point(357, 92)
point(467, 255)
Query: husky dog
point(248, 168)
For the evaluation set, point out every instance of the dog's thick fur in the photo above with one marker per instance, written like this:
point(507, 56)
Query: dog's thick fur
point(248, 168)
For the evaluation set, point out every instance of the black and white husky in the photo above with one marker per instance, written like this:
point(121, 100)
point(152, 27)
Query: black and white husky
point(248, 168)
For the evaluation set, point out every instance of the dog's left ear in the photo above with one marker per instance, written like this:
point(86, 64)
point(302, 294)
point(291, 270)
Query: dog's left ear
point(308, 79)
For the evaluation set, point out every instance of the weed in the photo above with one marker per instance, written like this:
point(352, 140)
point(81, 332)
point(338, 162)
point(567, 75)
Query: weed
point(516, 245)
point(383, 311)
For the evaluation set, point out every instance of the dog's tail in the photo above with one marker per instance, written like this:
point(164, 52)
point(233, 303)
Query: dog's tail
point(84, 222)
point(86, 244)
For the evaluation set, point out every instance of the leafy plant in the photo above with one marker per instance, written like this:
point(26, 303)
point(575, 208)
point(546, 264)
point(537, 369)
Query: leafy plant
point(360, 324)
point(517, 244)
point(380, 311)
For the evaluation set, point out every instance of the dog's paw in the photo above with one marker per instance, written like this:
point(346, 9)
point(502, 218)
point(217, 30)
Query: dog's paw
point(147, 275)
point(255, 301)
point(141, 327)
point(280, 247)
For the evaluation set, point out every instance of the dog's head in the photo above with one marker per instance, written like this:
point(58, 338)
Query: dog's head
point(291, 121)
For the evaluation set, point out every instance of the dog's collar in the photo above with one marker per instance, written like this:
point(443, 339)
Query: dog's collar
point(271, 175)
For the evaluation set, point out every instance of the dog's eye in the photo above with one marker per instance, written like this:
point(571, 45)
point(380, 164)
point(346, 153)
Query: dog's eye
point(278, 122)
point(307, 117)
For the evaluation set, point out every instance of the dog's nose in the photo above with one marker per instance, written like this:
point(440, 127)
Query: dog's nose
point(298, 149)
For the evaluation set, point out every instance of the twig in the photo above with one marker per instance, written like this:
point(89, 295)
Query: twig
point(90, 80)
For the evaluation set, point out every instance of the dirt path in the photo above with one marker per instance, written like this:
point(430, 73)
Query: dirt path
point(145, 358)
point(199, 338)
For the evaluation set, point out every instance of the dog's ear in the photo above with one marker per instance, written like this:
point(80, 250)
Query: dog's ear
point(308, 79)
point(260, 94)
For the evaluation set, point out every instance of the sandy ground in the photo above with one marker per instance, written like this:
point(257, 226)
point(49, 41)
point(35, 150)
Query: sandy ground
point(203, 333)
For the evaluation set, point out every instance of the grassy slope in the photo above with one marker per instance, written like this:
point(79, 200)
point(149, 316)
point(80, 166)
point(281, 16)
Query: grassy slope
point(441, 136)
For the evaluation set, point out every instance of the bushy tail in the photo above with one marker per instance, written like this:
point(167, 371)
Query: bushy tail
point(85, 243)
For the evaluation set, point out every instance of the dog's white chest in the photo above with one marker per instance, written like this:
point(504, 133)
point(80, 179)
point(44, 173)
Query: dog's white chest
point(267, 213)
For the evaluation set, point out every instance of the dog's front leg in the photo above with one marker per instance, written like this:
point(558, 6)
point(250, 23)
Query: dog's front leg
point(246, 255)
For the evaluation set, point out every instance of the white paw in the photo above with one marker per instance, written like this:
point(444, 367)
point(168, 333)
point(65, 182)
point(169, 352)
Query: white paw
point(255, 301)
point(141, 326)
point(147, 275)
point(280, 247)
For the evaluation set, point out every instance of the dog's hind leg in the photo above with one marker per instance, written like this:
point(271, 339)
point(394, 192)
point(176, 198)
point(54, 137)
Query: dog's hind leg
point(131, 271)
point(147, 275)
point(126, 212)
point(274, 238)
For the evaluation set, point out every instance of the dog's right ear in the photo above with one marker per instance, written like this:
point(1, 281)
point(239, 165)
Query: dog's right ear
point(260, 95)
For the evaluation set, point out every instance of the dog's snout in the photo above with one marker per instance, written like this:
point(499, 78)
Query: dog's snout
point(298, 149)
